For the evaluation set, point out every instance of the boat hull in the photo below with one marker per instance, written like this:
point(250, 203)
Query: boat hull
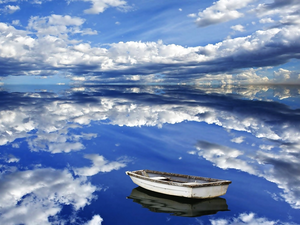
point(187, 190)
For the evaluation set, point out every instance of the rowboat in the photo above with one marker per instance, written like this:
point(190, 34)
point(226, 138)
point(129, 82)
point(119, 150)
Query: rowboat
point(178, 184)
point(177, 206)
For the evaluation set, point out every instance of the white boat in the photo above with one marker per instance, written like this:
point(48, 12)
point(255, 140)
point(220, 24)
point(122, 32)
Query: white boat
point(178, 184)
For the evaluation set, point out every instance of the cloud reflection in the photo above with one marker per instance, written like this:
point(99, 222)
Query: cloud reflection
point(281, 168)
point(100, 164)
point(48, 125)
point(45, 192)
point(49, 121)
point(96, 220)
point(245, 218)
point(34, 196)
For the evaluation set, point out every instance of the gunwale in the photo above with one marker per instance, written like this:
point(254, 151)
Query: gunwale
point(208, 181)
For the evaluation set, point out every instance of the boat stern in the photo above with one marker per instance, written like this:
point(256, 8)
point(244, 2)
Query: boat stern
point(210, 191)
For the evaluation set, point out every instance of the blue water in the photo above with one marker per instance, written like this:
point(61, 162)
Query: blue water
point(64, 153)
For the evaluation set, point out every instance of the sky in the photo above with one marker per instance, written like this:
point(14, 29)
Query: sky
point(149, 41)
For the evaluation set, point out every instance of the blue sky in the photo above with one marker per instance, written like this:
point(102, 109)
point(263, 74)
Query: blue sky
point(130, 41)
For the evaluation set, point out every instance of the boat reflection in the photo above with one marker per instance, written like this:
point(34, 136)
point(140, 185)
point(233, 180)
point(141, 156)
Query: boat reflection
point(177, 206)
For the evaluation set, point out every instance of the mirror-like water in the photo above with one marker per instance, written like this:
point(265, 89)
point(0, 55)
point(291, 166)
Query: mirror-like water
point(64, 153)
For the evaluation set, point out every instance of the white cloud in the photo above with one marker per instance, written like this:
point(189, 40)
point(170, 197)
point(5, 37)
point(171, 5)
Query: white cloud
point(266, 20)
point(43, 192)
point(100, 164)
point(250, 77)
point(192, 15)
point(287, 11)
point(57, 140)
point(16, 22)
point(53, 121)
point(291, 19)
point(61, 20)
point(11, 8)
point(54, 49)
point(238, 140)
point(266, 147)
point(192, 152)
point(58, 25)
point(19, 129)
point(12, 159)
point(78, 78)
point(6, 1)
point(30, 1)
point(238, 28)
point(52, 135)
point(96, 220)
point(221, 11)
point(224, 157)
point(99, 6)
point(282, 75)
point(273, 166)
point(245, 218)
point(285, 76)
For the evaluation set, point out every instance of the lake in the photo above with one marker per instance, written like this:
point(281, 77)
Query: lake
point(65, 151)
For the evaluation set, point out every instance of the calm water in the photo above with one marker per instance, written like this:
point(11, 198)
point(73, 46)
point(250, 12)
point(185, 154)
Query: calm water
point(64, 153)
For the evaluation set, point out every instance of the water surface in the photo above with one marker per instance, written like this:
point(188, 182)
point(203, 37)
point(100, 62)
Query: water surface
point(64, 153)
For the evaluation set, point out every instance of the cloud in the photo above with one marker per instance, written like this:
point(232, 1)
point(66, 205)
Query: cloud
point(57, 25)
point(221, 11)
point(58, 141)
point(16, 22)
point(6, 1)
point(12, 159)
point(224, 157)
point(43, 192)
point(100, 164)
point(284, 172)
point(52, 135)
point(238, 140)
point(283, 75)
point(266, 20)
point(136, 58)
point(278, 6)
point(46, 121)
point(281, 168)
point(78, 78)
point(54, 120)
point(25, 52)
point(245, 218)
point(11, 9)
point(192, 15)
point(30, 1)
point(96, 220)
point(238, 28)
point(266, 147)
point(249, 76)
point(288, 11)
point(99, 6)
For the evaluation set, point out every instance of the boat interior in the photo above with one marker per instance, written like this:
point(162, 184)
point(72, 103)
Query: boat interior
point(173, 177)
